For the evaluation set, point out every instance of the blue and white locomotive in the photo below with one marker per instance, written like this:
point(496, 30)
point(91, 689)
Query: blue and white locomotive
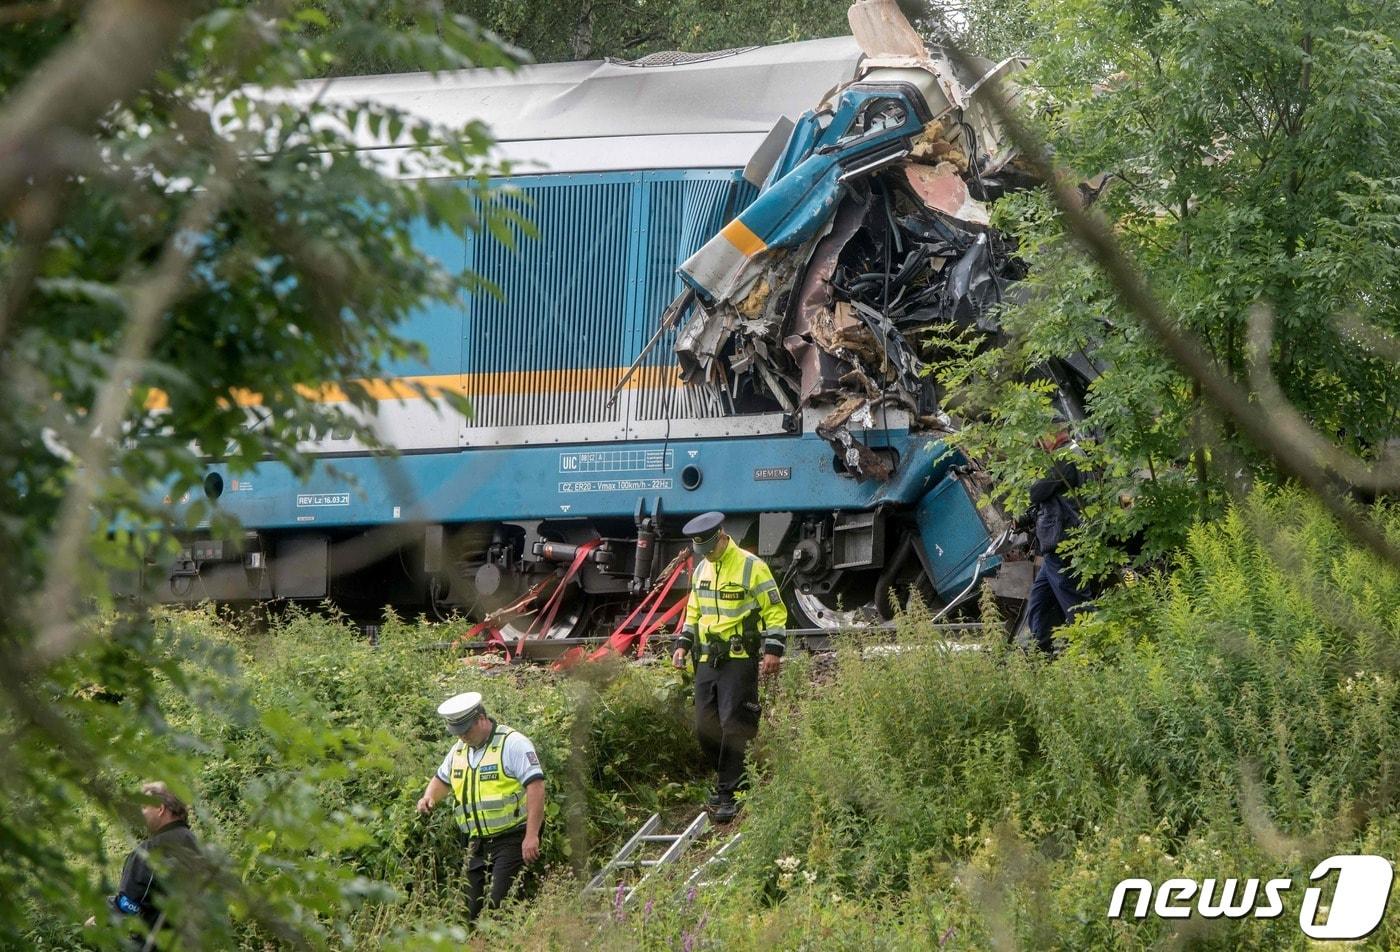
point(583, 434)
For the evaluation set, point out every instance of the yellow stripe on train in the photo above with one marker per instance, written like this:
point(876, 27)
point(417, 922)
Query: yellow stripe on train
point(509, 383)
point(742, 237)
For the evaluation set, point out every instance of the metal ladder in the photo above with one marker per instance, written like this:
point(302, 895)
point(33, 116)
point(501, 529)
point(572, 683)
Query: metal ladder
point(719, 859)
point(607, 880)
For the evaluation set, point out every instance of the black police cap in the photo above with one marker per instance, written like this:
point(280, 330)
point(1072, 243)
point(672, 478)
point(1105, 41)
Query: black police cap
point(703, 524)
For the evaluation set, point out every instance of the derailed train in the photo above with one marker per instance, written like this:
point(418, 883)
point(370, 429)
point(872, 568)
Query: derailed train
point(805, 264)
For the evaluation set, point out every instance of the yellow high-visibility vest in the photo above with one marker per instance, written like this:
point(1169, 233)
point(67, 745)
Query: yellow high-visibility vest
point(488, 801)
point(725, 592)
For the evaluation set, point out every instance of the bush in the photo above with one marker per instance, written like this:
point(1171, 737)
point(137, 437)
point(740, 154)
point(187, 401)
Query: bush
point(1235, 717)
point(305, 750)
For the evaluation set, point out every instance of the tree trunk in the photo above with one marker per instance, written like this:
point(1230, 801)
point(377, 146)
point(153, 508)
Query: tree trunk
point(582, 40)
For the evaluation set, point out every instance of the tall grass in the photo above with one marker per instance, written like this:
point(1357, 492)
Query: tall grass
point(1236, 717)
point(307, 748)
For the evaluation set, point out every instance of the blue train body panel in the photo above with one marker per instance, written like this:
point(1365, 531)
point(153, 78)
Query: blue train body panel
point(953, 537)
point(866, 125)
point(439, 327)
point(755, 474)
point(576, 305)
point(607, 246)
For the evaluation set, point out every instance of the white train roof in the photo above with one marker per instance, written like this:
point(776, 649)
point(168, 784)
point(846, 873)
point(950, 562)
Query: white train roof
point(665, 111)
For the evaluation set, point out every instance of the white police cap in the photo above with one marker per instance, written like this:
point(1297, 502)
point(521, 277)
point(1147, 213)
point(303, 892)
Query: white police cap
point(461, 710)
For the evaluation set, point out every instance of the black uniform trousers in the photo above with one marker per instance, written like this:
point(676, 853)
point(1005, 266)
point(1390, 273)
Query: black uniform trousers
point(500, 855)
point(726, 717)
point(1055, 598)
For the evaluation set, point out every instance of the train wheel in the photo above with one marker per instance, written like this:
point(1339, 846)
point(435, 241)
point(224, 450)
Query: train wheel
point(833, 614)
point(572, 620)
point(862, 603)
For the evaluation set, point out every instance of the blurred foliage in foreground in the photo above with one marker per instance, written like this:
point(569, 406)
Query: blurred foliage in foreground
point(1235, 717)
point(1251, 150)
point(190, 249)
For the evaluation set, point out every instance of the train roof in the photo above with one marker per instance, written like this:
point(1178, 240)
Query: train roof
point(666, 111)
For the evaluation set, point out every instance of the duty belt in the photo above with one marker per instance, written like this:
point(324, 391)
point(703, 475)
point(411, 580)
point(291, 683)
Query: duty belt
point(745, 639)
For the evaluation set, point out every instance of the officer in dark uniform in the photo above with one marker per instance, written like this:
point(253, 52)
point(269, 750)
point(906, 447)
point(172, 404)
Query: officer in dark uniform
point(735, 615)
point(1056, 597)
point(170, 854)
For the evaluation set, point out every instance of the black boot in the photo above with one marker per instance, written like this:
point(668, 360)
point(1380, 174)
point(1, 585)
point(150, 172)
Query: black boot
point(727, 810)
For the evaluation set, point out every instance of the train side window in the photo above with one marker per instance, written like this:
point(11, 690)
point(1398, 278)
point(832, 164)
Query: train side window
point(874, 117)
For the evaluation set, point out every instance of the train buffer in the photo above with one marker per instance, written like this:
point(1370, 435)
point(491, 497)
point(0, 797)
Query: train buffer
point(643, 854)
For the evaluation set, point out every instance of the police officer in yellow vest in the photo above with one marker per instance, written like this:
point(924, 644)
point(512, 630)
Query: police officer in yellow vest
point(494, 775)
point(734, 616)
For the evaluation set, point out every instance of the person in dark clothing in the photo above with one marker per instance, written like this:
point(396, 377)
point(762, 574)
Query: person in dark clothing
point(170, 850)
point(1055, 596)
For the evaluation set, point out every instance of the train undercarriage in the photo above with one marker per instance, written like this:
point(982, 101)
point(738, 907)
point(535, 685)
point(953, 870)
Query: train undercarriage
point(844, 570)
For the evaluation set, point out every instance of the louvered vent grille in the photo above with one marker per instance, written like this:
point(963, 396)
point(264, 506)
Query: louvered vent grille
point(579, 300)
point(684, 215)
point(536, 354)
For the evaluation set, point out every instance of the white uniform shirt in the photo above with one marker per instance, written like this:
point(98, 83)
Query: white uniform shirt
point(518, 759)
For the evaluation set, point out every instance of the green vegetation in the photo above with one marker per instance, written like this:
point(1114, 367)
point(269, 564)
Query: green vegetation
point(304, 749)
point(632, 29)
point(153, 276)
point(622, 29)
point(1251, 149)
point(1234, 717)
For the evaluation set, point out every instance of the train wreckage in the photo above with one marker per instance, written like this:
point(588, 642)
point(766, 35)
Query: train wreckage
point(870, 235)
point(813, 267)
